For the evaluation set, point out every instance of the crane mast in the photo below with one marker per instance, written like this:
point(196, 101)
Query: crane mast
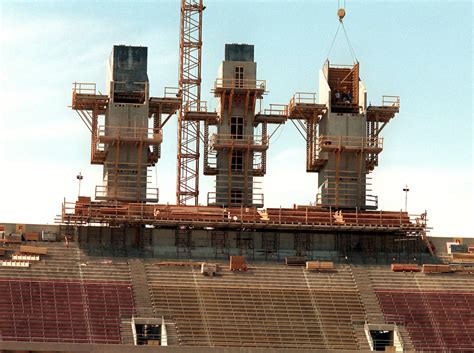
point(190, 44)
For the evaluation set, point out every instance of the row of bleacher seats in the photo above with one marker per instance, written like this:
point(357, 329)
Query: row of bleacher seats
point(383, 277)
point(268, 306)
point(436, 309)
point(437, 321)
point(67, 296)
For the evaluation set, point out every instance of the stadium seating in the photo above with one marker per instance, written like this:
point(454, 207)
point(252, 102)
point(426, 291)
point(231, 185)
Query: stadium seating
point(268, 306)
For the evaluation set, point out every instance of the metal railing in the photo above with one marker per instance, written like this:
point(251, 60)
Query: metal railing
point(344, 198)
point(330, 142)
point(84, 88)
point(391, 101)
point(301, 216)
point(172, 92)
point(129, 92)
point(125, 193)
point(129, 132)
point(239, 84)
point(215, 198)
point(194, 106)
point(303, 98)
point(231, 140)
point(257, 163)
point(277, 109)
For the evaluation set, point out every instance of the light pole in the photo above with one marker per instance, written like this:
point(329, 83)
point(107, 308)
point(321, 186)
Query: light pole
point(79, 178)
point(406, 189)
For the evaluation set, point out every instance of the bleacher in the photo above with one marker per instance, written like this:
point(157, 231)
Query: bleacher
point(268, 306)
point(65, 297)
point(436, 309)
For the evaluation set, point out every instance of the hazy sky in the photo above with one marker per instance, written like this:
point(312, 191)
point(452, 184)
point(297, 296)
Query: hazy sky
point(420, 50)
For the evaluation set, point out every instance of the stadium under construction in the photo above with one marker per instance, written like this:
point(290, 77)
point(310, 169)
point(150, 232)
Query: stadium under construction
point(122, 272)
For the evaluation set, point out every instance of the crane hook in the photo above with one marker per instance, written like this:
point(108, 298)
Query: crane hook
point(341, 13)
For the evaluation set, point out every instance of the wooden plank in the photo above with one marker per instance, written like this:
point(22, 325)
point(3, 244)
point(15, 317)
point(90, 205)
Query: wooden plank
point(179, 263)
point(32, 236)
point(33, 250)
point(319, 265)
point(237, 263)
point(436, 268)
point(405, 268)
point(463, 256)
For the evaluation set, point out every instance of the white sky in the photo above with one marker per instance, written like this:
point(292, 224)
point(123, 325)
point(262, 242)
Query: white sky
point(420, 50)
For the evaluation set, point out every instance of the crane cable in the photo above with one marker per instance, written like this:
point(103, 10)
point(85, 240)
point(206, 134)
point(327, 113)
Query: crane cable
point(341, 14)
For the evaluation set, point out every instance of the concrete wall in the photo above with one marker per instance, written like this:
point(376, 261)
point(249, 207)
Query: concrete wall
point(440, 243)
point(352, 169)
point(128, 64)
point(11, 228)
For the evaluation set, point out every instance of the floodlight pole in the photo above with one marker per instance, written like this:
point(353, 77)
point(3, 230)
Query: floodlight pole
point(79, 177)
point(406, 189)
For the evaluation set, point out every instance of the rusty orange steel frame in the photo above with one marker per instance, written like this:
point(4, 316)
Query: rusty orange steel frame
point(301, 217)
point(190, 44)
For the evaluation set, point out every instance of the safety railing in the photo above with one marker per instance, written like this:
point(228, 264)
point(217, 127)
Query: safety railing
point(215, 198)
point(391, 101)
point(172, 92)
point(224, 83)
point(200, 106)
point(129, 87)
point(129, 92)
point(334, 142)
point(105, 192)
point(84, 88)
point(128, 132)
point(345, 197)
point(341, 66)
point(235, 141)
point(277, 109)
point(303, 98)
point(299, 216)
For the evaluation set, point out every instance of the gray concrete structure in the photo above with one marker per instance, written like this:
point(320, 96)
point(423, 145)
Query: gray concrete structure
point(236, 146)
point(347, 145)
point(126, 123)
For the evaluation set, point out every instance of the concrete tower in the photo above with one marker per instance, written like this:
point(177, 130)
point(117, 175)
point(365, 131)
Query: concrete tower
point(125, 125)
point(348, 138)
point(126, 122)
point(238, 152)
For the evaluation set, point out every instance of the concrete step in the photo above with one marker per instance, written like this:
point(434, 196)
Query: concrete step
point(359, 332)
point(141, 290)
point(126, 332)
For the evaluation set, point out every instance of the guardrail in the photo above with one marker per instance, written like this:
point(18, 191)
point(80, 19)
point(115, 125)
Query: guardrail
point(125, 193)
point(277, 109)
point(121, 87)
point(230, 140)
point(172, 92)
point(349, 141)
point(214, 198)
point(300, 216)
point(84, 88)
point(239, 84)
point(391, 101)
point(345, 199)
point(303, 98)
point(127, 132)
point(200, 106)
